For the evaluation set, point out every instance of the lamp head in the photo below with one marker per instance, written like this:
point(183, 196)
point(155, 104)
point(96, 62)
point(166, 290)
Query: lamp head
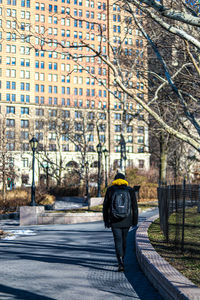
point(105, 151)
point(34, 143)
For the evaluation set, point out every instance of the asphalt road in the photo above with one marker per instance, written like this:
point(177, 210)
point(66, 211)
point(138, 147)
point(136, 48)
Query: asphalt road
point(75, 262)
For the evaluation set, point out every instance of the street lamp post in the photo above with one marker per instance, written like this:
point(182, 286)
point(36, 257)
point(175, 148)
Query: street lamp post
point(87, 185)
point(47, 175)
point(105, 151)
point(123, 153)
point(99, 151)
point(34, 143)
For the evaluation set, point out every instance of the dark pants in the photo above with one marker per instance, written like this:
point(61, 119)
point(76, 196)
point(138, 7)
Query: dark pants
point(120, 235)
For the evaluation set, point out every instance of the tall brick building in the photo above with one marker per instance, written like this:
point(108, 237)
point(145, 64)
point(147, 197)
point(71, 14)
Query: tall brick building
point(52, 86)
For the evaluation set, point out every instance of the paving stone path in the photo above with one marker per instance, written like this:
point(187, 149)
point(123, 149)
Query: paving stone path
point(74, 262)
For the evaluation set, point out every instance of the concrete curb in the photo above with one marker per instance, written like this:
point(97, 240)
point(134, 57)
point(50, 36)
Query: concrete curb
point(171, 284)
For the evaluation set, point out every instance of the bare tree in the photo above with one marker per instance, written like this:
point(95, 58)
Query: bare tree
point(178, 19)
point(7, 140)
point(61, 128)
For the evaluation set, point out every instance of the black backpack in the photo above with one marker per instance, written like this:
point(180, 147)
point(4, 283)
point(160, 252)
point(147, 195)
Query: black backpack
point(120, 204)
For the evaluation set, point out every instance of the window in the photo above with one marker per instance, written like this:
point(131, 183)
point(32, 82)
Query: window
point(65, 147)
point(77, 148)
point(129, 128)
point(68, 90)
point(78, 126)
point(10, 146)
point(78, 114)
point(13, 85)
point(102, 116)
point(52, 125)
point(24, 135)
point(10, 109)
point(42, 6)
point(65, 126)
point(140, 149)
point(90, 126)
point(52, 147)
point(25, 178)
point(129, 149)
point(130, 139)
point(10, 134)
point(24, 123)
point(39, 112)
point(39, 124)
point(66, 114)
point(140, 139)
point(27, 86)
point(52, 112)
point(141, 164)
point(39, 136)
point(117, 128)
point(24, 110)
point(140, 129)
point(55, 89)
point(117, 116)
point(90, 138)
point(10, 122)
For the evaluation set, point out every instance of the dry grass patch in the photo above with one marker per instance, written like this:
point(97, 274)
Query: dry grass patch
point(188, 261)
point(19, 197)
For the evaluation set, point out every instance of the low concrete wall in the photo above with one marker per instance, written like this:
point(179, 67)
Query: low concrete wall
point(94, 201)
point(29, 214)
point(68, 218)
point(171, 284)
point(36, 215)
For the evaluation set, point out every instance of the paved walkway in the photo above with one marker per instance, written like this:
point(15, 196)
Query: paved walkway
point(75, 262)
point(69, 203)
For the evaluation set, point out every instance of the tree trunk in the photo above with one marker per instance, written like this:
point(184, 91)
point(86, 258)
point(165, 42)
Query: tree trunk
point(163, 158)
point(4, 188)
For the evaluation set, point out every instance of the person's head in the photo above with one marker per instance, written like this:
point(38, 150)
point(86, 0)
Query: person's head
point(119, 176)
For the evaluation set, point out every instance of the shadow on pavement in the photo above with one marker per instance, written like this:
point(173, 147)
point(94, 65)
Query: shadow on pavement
point(134, 274)
point(19, 294)
point(92, 249)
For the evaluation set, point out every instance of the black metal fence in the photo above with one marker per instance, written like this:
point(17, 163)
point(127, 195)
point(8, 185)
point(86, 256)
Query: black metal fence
point(175, 199)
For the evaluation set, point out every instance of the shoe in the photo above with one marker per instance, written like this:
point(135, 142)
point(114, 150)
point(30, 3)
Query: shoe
point(120, 267)
point(120, 264)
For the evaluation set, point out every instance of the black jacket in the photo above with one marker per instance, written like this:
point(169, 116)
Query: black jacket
point(132, 219)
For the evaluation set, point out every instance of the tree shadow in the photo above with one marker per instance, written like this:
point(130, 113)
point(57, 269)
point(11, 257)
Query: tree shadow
point(20, 294)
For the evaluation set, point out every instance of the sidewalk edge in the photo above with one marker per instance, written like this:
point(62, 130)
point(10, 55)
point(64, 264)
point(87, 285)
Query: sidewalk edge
point(171, 284)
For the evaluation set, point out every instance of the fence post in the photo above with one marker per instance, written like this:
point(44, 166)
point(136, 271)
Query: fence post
point(198, 205)
point(167, 207)
point(183, 219)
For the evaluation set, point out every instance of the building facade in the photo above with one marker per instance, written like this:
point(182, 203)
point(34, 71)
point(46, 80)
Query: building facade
point(55, 87)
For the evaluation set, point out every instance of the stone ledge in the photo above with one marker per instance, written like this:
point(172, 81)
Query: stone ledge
point(68, 218)
point(93, 201)
point(171, 284)
point(35, 215)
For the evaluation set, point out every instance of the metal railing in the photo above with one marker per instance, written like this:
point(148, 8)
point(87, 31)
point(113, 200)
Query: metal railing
point(175, 199)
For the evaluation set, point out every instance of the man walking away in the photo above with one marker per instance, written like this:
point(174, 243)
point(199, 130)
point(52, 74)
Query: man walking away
point(120, 212)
